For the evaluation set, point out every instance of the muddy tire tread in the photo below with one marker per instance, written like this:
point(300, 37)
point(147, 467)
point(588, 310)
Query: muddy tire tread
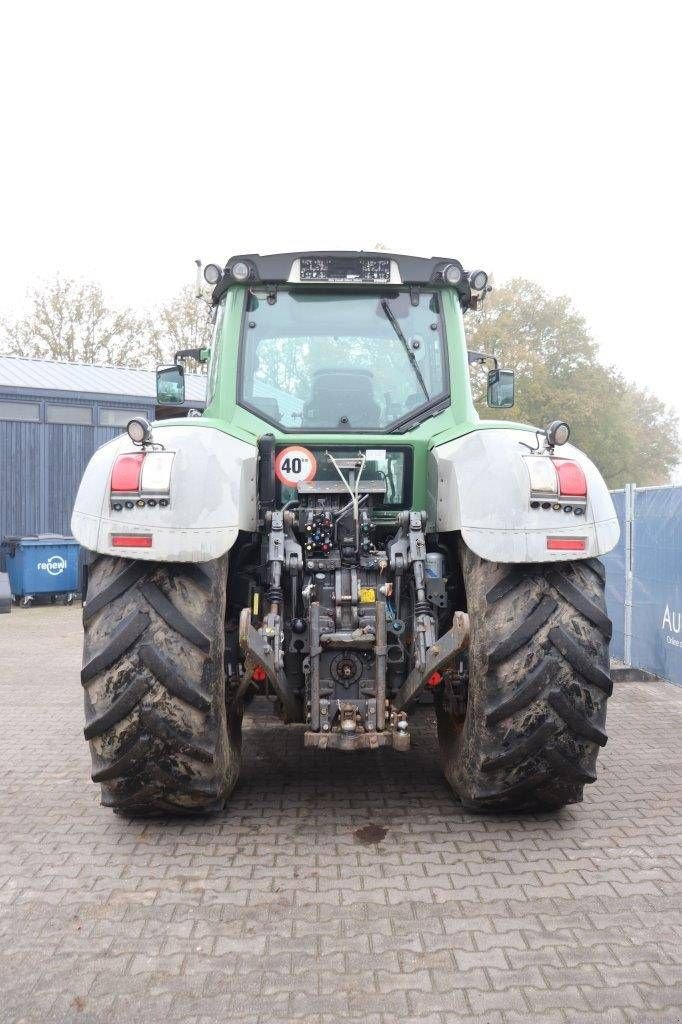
point(154, 686)
point(539, 681)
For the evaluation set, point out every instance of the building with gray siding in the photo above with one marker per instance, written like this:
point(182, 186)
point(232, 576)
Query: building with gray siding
point(52, 418)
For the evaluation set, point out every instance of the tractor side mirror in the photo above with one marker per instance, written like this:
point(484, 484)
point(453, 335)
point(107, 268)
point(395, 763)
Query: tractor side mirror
point(170, 385)
point(500, 389)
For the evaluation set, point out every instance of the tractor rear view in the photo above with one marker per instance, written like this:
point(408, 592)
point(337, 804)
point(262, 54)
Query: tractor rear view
point(341, 533)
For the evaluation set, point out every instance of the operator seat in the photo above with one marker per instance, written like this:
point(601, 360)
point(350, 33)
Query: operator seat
point(338, 393)
point(413, 401)
point(268, 406)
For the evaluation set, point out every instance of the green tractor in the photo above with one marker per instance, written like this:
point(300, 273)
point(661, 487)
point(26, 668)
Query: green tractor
point(340, 532)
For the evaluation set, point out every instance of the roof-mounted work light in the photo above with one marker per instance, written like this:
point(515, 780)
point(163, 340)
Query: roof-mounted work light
point(478, 279)
point(240, 271)
point(212, 273)
point(453, 273)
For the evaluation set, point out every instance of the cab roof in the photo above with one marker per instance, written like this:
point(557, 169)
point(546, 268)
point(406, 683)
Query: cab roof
point(341, 267)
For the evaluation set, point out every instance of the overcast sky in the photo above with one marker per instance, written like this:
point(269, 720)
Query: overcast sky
point(540, 139)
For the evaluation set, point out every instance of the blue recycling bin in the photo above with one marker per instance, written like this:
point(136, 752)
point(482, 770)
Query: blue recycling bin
point(44, 564)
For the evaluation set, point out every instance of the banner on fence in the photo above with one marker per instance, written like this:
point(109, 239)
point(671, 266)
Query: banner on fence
point(644, 581)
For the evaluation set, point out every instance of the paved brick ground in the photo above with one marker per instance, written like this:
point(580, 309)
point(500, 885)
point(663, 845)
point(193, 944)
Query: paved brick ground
point(275, 912)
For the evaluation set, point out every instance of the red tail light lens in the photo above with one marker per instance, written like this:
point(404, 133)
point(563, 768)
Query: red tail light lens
point(125, 476)
point(566, 543)
point(131, 540)
point(572, 482)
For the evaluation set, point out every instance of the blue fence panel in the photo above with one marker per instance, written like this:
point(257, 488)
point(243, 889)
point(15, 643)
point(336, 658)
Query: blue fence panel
point(657, 582)
point(616, 565)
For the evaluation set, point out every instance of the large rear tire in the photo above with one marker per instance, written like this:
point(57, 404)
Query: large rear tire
point(538, 685)
point(160, 736)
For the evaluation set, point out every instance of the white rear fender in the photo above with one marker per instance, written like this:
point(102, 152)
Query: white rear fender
point(212, 495)
point(480, 484)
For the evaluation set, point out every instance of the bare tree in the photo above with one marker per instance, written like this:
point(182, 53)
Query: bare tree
point(629, 433)
point(70, 320)
point(184, 322)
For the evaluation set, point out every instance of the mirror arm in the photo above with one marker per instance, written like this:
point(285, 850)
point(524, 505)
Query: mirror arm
point(481, 357)
point(200, 354)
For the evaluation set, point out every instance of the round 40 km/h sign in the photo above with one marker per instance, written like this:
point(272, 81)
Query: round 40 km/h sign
point(295, 465)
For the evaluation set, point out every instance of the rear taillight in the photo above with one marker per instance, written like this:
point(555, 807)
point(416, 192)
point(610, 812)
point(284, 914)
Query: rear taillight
point(140, 479)
point(125, 476)
point(572, 482)
point(156, 473)
point(557, 484)
point(544, 482)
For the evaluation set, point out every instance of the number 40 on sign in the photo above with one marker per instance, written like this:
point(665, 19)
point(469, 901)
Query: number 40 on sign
point(295, 465)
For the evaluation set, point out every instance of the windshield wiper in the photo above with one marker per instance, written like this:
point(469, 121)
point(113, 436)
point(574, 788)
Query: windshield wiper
point(410, 354)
